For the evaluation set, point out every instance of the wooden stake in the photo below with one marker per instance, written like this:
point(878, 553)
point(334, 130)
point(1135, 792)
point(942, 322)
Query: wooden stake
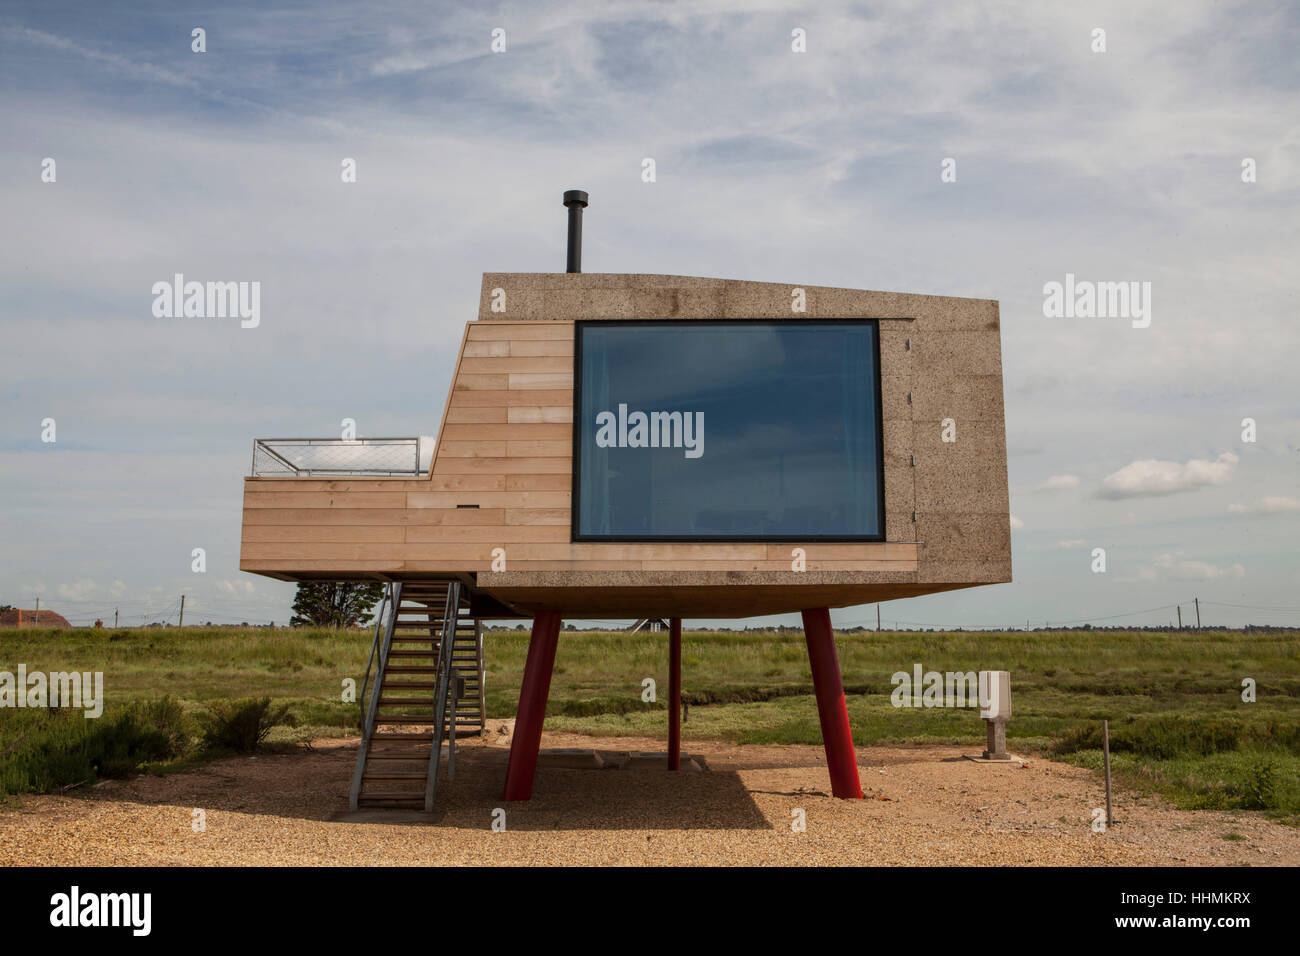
point(182, 620)
point(1180, 617)
point(1198, 612)
point(1105, 749)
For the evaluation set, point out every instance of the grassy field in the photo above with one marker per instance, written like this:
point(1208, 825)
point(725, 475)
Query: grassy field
point(1178, 722)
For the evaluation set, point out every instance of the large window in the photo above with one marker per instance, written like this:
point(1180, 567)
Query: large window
point(728, 431)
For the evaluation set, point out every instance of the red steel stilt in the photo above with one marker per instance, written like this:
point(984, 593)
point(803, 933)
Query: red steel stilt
point(831, 710)
point(532, 706)
point(675, 694)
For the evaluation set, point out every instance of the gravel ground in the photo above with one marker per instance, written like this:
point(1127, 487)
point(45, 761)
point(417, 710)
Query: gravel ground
point(924, 806)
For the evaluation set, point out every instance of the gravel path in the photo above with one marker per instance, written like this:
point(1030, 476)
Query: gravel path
point(925, 806)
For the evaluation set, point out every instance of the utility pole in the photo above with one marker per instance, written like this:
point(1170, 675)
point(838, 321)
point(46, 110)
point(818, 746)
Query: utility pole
point(1198, 612)
point(1180, 615)
point(182, 621)
point(38, 612)
point(877, 618)
point(115, 618)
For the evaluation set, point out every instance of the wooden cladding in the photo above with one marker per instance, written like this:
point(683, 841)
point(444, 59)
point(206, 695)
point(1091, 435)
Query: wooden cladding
point(501, 477)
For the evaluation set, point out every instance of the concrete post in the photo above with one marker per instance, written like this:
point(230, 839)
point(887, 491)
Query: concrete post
point(995, 708)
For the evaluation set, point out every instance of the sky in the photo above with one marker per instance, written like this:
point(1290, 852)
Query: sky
point(821, 167)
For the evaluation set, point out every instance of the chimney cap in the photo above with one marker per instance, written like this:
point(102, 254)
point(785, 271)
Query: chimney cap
point(575, 197)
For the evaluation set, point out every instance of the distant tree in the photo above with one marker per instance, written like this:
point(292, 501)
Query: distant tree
point(335, 603)
point(6, 607)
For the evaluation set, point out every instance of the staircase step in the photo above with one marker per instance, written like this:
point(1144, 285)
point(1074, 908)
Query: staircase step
point(411, 669)
point(387, 775)
point(407, 796)
point(382, 738)
point(421, 756)
point(405, 701)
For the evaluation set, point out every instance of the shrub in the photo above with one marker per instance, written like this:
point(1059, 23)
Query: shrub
point(1260, 789)
point(242, 725)
point(51, 749)
point(1166, 738)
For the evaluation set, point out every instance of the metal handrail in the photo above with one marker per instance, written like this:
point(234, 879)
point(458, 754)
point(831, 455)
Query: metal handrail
point(450, 620)
point(331, 457)
point(380, 621)
point(368, 724)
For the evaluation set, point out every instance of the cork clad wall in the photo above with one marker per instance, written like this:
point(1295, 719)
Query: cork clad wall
point(502, 472)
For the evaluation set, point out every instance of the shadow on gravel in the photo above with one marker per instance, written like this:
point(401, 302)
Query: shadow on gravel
point(313, 785)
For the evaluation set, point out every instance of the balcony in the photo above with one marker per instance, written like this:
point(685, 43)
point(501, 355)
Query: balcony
point(338, 457)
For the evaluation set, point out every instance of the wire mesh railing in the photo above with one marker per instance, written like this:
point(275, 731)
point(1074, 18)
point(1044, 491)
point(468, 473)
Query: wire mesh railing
point(328, 457)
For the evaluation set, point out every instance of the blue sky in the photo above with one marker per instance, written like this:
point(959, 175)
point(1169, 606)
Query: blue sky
point(817, 168)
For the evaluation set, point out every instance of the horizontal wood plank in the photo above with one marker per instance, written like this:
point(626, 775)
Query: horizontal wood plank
point(520, 414)
point(479, 347)
point(489, 499)
point(543, 347)
point(540, 449)
point(517, 363)
point(498, 535)
point(496, 329)
point(471, 449)
point(518, 381)
point(560, 482)
point(522, 516)
point(325, 499)
point(507, 398)
point(502, 466)
point(460, 414)
point(400, 517)
point(506, 432)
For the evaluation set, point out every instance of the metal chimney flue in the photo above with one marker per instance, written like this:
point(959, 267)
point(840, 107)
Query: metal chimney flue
point(575, 200)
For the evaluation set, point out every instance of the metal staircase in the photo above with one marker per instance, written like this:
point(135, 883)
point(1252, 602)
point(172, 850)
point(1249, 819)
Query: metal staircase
point(467, 665)
point(422, 689)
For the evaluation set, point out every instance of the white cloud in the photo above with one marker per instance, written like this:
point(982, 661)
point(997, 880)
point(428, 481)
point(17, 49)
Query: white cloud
point(1016, 523)
point(401, 63)
point(1072, 543)
point(236, 588)
point(1175, 567)
point(1060, 483)
point(1150, 477)
point(1268, 505)
point(77, 590)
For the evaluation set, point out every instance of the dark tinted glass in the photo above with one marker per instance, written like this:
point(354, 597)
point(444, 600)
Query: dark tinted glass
point(728, 430)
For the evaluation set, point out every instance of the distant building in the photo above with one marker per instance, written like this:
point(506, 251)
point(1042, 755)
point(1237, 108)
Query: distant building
point(21, 618)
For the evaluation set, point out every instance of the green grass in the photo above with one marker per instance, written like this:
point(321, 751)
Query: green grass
point(1178, 723)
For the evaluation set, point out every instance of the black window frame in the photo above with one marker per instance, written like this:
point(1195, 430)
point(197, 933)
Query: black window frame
point(575, 502)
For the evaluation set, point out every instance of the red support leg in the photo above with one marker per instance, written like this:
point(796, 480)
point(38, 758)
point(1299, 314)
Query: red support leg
point(532, 706)
point(675, 694)
point(831, 710)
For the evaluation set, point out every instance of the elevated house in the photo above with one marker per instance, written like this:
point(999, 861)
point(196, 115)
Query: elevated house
point(641, 447)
